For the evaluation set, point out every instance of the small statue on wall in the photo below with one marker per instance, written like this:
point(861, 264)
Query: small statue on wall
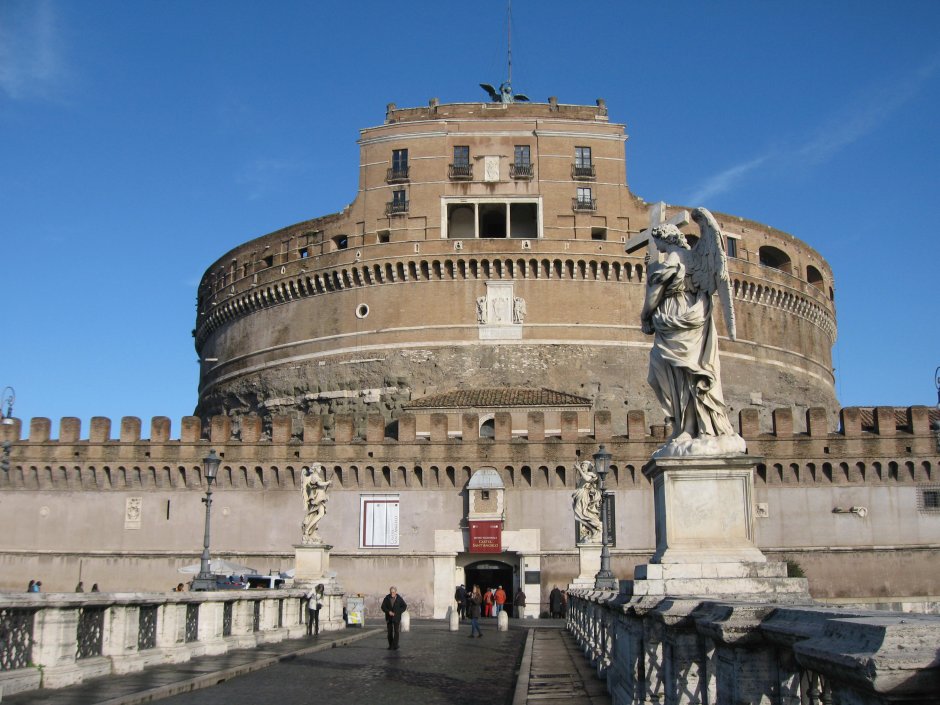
point(481, 310)
point(586, 502)
point(313, 485)
point(518, 310)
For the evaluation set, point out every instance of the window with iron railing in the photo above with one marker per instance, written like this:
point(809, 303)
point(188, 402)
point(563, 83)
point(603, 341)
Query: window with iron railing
point(521, 167)
point(461, 167)
point(398, 204)
point(583, 167)
point(584, 201)
point(399, 168)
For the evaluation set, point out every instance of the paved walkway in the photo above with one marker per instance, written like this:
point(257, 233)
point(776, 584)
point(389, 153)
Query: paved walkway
point(434, 666)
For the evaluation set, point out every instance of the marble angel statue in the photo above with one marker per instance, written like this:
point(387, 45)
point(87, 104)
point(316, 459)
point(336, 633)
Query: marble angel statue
point(678, 311)
point(313, 485)
point(586, 502)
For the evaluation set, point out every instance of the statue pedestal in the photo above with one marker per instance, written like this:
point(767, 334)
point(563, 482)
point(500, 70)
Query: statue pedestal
point(311, 562)
point(589, 555)
point(704, 532)
point(312, 568)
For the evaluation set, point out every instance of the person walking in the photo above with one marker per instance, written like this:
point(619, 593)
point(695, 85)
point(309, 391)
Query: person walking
point(519, 601)
point(94, 588)
point(475, 603)
point(314, 603)
point(393, 606)
point(80, 587)
point(499, 597)
point(29, 588)
point(488, 603)
point(37, 586)
point(554, 602)
point(460, 596)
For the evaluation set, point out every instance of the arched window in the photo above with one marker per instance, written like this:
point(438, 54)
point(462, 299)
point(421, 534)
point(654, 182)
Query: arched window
point(778, 259)
point(488, 428)
point(815, 277)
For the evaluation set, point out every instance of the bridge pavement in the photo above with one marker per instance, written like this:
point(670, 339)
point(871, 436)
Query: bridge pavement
point(433, 667)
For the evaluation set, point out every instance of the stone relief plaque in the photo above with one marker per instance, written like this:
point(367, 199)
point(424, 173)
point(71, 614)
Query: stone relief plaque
point(491, 168)
point(132, 511)
point(499, 313)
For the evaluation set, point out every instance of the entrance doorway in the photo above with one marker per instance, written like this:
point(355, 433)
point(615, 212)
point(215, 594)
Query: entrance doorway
point(491, 574)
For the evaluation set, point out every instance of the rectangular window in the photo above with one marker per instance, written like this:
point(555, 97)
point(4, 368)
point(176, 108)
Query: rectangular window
point(732, 246)
point(522, 155)
point(582, 157)
point(378, 520)
point(398, 197)
point(399, 160)
point(462, 156)
point(928, 499)
point(584, 195)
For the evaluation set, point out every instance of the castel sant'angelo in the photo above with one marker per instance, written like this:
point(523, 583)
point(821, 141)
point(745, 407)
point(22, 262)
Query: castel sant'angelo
point(447, 346)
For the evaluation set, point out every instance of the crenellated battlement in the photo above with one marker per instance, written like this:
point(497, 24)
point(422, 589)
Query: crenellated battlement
point(877, 445)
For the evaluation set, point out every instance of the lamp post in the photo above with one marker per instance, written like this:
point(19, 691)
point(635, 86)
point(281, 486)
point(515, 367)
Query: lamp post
point(206, 580)
point(7, 397)
point(936, 424)
point(605, 579)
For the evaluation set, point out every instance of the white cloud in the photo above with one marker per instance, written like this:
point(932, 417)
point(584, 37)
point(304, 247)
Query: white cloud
point(30, 44)
point(837, 133)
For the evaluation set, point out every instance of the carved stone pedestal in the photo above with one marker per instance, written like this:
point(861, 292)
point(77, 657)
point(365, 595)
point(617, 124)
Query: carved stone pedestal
point(312, 568)
point(704, 533)
point(589, 555)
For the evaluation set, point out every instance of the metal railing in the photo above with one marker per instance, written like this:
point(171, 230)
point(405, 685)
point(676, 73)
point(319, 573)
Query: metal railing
point(520, 171)
point(396, 174)
point(460, 172)
point(582, 172)
point(584, 204)
point(396, 207)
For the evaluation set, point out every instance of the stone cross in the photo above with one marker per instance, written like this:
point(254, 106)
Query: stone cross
point(657, 217)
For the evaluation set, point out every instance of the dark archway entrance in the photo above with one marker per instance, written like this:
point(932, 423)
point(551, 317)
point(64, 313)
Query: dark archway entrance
point(491, 574)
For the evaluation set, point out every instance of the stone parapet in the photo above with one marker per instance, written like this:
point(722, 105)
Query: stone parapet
point(696, 650)
point(60, 639)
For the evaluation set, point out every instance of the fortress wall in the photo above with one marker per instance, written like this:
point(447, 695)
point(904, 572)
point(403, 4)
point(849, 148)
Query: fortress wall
point(64, 503)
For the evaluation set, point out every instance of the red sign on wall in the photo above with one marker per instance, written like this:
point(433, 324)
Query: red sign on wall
point(486, 537)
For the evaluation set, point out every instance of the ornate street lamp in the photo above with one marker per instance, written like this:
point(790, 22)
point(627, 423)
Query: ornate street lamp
point(206, 580)
point(7, 398)
point(605, 579)
point(936, 424)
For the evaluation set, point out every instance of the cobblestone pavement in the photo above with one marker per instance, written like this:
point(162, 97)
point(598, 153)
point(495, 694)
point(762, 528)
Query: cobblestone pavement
point(434, 666)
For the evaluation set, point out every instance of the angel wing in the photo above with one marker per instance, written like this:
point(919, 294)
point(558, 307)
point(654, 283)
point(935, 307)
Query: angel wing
point(521, 96)
point(708, 266)
point(494, 95)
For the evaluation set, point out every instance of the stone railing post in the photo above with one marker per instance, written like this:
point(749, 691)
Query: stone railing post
point(211, 619)
point(55, 644)
point(121, 639)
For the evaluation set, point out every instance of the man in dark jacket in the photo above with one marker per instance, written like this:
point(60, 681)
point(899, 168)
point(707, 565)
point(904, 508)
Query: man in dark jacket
point(393, 607)
point(461, 597)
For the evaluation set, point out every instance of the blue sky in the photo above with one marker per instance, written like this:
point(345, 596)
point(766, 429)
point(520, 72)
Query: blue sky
point(141, 140)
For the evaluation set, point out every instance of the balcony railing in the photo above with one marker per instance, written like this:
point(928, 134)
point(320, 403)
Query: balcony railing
point(520, 171)
point(396, 207)
point(396, 174)
point(584, 204)
point(460, 172)
point(582, 172)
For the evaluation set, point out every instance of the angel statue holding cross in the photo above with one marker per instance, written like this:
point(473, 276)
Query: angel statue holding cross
point(684, 371)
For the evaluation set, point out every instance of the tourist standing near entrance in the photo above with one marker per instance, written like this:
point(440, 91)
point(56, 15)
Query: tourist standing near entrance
point(314, 603)
point(500, 598)
point(555, 602)
point(519, 601)
point(488, 603)
point(461, 598)
point(393, 606)
point(474, 604)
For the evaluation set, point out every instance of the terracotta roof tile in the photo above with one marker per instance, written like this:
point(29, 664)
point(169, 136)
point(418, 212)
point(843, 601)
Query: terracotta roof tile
point(497, 397)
